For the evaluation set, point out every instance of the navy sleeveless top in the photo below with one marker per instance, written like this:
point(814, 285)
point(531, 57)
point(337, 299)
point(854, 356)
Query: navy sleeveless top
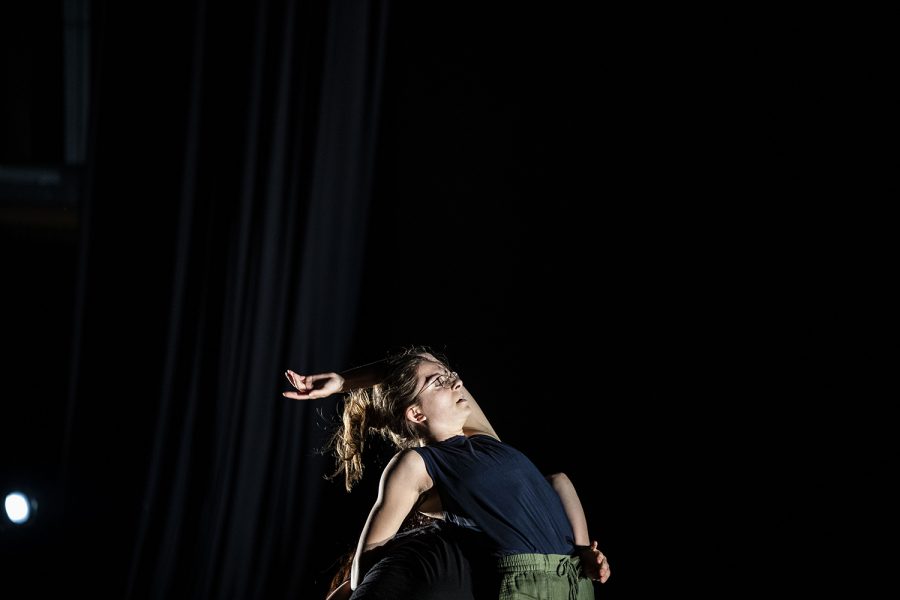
point(488, 485)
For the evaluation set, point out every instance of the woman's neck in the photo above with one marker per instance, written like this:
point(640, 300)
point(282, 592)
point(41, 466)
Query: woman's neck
point(441, 437)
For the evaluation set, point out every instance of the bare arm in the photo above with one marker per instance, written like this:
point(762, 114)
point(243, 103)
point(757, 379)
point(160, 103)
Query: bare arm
point(477, 422)
point(364, 376)
point(593, 561)
point(403, 480)
point(322, 385)
point(572, 505)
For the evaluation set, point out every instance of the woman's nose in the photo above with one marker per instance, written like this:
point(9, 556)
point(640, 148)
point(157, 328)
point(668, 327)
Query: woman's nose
point(458, 382)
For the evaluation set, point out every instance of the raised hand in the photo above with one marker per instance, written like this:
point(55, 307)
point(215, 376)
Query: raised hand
point(311, 387)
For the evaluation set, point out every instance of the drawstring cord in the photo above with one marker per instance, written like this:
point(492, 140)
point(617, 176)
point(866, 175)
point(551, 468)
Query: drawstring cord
point(567, 567)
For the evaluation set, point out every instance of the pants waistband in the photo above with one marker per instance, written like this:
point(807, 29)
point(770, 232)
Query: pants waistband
point(532, 562)
point(558, 565)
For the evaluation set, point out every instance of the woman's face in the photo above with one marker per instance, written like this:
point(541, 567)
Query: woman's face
point(442, 404)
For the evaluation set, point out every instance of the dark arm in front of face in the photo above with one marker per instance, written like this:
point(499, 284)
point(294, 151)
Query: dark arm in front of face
point(323, 385)
point(365, 376)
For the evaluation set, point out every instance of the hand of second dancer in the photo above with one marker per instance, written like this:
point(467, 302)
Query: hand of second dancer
point(311, 387)
point(594, 564)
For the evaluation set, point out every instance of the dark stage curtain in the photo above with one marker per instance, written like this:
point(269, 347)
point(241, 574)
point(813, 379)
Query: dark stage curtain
point(231, 163)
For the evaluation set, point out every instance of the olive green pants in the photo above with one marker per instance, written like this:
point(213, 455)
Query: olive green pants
point(543, 577)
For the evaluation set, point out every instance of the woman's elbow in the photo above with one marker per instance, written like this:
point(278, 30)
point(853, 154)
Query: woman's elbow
point(558, 478)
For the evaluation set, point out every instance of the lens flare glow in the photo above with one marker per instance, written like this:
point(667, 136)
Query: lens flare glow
point(18, 509)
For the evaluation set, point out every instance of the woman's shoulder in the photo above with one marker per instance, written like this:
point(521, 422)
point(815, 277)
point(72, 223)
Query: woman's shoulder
point(406, 460)
point(407, 468)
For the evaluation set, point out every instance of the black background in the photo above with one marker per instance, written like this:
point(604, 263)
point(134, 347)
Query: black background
point(577, 210)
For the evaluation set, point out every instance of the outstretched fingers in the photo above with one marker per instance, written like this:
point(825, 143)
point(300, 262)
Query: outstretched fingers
point(300, 383)
point(320, 385)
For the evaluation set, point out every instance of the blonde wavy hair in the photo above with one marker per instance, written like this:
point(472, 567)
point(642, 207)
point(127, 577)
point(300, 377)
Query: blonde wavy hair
point(381, 410)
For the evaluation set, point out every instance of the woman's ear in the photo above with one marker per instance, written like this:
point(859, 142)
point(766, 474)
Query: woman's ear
point(414, 413)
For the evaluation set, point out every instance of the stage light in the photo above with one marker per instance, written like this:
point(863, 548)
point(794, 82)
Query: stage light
point(19, 507)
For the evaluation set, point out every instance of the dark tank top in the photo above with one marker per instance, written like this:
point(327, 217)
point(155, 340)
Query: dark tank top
point(490, 486)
